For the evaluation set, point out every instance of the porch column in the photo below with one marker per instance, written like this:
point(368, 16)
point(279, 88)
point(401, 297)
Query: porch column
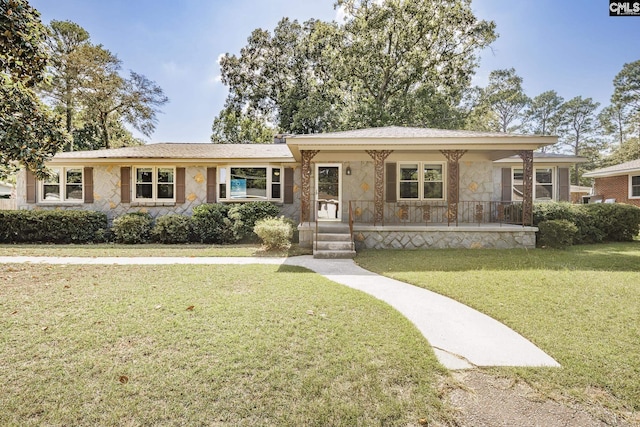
point(307, 155)
point(378, 156)
point(453, 182)
point(527, 184)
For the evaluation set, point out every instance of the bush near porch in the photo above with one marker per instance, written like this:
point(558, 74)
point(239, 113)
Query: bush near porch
point(596, 223)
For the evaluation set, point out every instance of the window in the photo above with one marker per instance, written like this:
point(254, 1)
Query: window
point(421, 181)
point(634, 182)
point(249, 183)
point(154, 184)
point(544, 185)
point(63, 185)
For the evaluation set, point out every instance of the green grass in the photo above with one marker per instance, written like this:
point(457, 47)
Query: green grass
point(582, 306)
point(147, 250)
point(206, 345)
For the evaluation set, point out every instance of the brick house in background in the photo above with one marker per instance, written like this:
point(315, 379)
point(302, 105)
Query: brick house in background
point(619, 183)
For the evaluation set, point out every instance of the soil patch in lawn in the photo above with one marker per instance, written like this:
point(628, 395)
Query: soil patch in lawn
point(485, 400)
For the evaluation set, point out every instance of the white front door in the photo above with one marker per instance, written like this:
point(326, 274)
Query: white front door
point(329, 192)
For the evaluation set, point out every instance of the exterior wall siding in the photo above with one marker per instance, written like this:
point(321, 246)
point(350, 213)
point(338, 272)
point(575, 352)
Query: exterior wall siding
point(445, 237)
point(615, 187)
point(107, 196)
point(477, 181)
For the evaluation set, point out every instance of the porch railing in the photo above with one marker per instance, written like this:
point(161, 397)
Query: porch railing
point(439, 213)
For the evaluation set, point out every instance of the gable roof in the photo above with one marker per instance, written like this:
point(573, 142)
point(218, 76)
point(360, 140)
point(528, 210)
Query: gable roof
point(184, 151)
point(621, 169)
point(401, 138)
point(402, 132)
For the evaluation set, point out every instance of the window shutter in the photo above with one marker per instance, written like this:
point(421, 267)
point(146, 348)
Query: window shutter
point(391, 174)
point(180, 185)
point(564, 187)
point(211, 185)
point(506, 184)
point(31, 187)
point(125, 184)
point(88, 185)
point(288, 186)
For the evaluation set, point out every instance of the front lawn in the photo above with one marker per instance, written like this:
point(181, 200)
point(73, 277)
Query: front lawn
point(581, 306)
point(206, 345)
point(144, 250)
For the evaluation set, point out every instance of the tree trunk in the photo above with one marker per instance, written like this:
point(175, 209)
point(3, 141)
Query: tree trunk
point(105, 130)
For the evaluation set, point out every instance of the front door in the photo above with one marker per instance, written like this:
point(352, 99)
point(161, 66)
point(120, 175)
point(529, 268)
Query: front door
point(329, 192)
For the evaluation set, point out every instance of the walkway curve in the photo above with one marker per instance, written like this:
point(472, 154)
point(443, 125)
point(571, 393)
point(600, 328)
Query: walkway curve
point(462, 337)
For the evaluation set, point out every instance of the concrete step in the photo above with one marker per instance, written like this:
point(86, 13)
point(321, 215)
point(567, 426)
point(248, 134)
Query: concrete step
point(334, 246)
point(334, 237)
point(334, 254)
point(333, 227)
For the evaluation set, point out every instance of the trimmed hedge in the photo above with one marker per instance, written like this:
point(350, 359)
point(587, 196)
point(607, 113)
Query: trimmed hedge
point(64, 226)
point(220, 223)
point(245, 216)
point(132, 228)
point(556, 233)
point(598, 222)
point(172, 228)
point(211, 223)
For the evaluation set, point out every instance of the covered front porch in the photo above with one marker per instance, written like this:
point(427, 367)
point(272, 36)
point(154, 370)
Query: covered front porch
point(418, 188)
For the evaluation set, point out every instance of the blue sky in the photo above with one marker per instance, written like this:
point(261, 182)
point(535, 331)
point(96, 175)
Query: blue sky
point(570, 46)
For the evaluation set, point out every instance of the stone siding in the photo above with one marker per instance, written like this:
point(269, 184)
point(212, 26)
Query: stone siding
point(107, 197)
point(477, 181)
point(445, 237)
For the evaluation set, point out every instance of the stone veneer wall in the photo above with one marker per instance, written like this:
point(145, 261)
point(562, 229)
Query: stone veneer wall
point(106, 194)
point(445, 237)
point(477, 181)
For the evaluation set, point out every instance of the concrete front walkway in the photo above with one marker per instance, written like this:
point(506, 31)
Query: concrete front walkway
point(461, 336)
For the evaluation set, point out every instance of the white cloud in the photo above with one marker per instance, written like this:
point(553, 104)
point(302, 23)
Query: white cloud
point(174, 70)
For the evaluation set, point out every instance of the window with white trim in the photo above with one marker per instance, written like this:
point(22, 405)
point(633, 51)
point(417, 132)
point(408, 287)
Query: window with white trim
point(634, 186)
point(421, 181)
point(544, 184)
point(64, 184)
point(154, 183)
point(250, 183)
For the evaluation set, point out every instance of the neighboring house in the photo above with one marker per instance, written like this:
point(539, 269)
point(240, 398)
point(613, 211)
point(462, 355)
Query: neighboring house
point(388, 187)
point(619, 183)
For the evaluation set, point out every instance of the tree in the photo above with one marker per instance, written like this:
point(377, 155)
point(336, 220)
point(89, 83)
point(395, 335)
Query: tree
point(29, 134)
point(280, 80)
point(391, 62)
point(398, 54)
point(541, 115)
point(64, 40)
point(500, 105)
point(577, 128)
point(106, 95)
point(614, 121)
point(627, 87)
point(233, 127)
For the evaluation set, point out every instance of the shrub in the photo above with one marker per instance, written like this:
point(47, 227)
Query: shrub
point(64, 226)
point(244, 217)
point(596, 222)
point(132, 228)
point(211, 223)
point(617, 222)
point(556, 233)
point(172, 228)
point(275, 233)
